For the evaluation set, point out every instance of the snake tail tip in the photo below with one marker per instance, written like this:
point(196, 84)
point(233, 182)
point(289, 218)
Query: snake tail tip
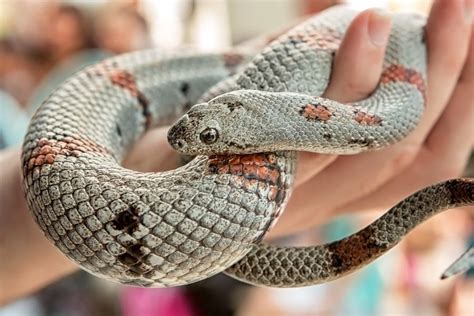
point(450, 273)
point(462, 264)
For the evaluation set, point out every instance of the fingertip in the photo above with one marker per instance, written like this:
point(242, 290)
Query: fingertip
point(468, 11)
point(444, 12)
point(379, 24)
point(373, 25)
point(448, 35)
point(358, 62)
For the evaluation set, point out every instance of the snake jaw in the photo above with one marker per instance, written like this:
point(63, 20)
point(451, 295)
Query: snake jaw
point(175, 134)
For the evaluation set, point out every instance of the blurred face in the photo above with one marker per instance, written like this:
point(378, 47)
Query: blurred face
point(66, 35)
point(120, 33)
point(7, 63)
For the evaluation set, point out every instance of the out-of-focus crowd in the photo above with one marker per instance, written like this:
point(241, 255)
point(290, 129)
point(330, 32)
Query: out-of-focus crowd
point(51, 41)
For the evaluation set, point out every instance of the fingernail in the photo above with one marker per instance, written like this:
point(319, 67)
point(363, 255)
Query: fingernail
point(379, 27)
point(468, 10)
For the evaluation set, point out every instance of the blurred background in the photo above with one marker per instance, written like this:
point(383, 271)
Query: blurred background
point(42, 42)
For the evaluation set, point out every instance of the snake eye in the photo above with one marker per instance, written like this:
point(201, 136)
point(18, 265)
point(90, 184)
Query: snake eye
point(209, 136)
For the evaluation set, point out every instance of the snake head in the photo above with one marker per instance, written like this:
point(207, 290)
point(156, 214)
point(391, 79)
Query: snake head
point(227, 124)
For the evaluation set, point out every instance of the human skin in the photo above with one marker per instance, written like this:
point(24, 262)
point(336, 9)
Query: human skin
point(326, 185)
point(437, 150)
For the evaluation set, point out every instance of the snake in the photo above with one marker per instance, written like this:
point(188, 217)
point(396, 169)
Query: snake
point(244, 114)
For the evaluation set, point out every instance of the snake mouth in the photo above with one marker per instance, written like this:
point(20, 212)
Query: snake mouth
point(178, 144)
point(176, 134)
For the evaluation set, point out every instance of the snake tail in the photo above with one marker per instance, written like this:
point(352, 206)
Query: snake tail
point(303, 266)
point(163, 229)
point(462, 264)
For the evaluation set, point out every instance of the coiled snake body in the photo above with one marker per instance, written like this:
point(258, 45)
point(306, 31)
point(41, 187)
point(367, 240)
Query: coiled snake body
point(181, 226)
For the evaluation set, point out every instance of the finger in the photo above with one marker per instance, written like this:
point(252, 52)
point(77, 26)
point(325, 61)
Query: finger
point(446, 150)
point(358, 63)
point(447, 32)
point(467, 75)
point(447, 43)
point(453, 135)
point(356, 71)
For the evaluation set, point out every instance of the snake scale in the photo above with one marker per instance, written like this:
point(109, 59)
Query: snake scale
point(254, 112)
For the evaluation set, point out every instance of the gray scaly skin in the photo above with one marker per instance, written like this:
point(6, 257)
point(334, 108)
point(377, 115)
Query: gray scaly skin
point(287, 112)
point(294, 267)
point(247, 120)
point(149, 229)
point(177, 227)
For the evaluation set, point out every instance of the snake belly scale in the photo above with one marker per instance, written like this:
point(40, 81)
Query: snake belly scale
point(181, 226)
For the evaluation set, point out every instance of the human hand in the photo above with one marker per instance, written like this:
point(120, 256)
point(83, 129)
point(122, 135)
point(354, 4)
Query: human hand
point(325, 185)
point(328, 185)
point(163, 158)
point(438, 148)
point(28, 260)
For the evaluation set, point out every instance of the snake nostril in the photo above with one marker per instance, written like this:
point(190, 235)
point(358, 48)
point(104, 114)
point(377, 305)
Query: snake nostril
point(179, 144)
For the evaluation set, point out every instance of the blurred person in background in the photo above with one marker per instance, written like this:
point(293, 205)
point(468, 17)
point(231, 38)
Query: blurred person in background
point(22, 67)
point(32, 65)
point(58, 266)
point(13, 121)
point(70, 46)
point(68, 32)
point(121, 29)
point(26, 64)
point(75, 44)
